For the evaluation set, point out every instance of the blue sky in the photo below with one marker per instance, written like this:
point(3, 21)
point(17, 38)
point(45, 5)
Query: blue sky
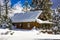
point(55, 2)
point(22, 1)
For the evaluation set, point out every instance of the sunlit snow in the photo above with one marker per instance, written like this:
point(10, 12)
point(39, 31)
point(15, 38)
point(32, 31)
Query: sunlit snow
point(26, 35)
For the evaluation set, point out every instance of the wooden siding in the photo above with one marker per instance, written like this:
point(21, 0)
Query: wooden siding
point(24, 25)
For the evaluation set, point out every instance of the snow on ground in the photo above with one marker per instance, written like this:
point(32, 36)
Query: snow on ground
point(26, 35)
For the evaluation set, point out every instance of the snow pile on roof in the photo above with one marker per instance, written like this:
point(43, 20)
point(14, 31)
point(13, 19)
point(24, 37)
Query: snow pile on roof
point(41, 21)
point(26, 17)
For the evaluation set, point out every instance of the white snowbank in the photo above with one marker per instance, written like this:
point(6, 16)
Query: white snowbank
point(27, 35)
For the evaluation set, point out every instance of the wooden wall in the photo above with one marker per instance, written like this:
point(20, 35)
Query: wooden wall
point(24, 25)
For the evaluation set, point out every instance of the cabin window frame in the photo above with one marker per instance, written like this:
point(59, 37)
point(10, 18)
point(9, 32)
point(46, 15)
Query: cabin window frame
point(28, 25)
point(20, 24)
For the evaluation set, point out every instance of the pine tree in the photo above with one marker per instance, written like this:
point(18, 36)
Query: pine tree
point(0, 13)
point(56, 19)
point(37, 4)
point(26, 6)
point(46, 10)
point(6, 19)
point(43, 5)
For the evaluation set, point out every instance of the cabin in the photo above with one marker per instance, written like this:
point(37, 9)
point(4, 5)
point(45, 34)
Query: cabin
point(29, 20)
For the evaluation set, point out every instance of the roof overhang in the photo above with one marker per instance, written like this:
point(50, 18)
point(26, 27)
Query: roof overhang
point(42, 22)
point(25, 20)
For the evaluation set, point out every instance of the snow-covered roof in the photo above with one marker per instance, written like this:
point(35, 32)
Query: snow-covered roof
point(26, 17)
point(41, 21)
point(31, 16)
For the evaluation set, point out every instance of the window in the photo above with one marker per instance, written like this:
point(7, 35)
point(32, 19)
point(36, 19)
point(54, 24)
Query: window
point(20, 25)
point(28, 25)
